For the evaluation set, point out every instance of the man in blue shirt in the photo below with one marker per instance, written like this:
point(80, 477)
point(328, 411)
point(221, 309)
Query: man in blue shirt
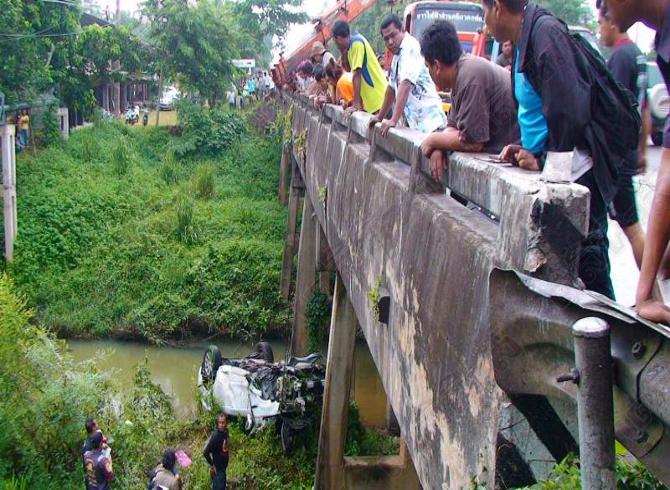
point(655, 262)
point(554, 98)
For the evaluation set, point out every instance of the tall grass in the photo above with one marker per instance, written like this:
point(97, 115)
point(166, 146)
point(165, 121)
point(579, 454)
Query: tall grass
point(205, 181)
point(109, 248)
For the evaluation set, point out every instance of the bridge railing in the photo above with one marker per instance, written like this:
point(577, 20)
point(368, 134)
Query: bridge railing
point(454, 319)
point(540, 224)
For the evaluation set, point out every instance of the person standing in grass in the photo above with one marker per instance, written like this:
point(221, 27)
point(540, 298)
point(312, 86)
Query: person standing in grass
point(165, 475)
point(216, 453)
point(24, 128)
point(98, 464)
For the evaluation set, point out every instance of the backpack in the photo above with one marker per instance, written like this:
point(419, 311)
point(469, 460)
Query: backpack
point(613, 108)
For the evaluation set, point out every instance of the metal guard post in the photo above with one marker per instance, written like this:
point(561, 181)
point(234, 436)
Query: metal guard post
point(595, 412)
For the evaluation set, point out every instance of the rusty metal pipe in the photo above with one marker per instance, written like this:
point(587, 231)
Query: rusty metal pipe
point(595, 408)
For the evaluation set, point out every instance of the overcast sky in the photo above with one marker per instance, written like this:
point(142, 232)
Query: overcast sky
point(642, 35)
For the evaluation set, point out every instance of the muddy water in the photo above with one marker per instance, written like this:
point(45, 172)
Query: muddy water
point(175, 368)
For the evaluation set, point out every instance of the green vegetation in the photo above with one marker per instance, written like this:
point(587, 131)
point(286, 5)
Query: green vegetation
point(121, 237)
point(47, 397)
point(630, 476)
point(318, 320)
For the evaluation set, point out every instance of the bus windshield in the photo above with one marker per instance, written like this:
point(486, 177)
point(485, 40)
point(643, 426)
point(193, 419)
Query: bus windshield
point(467, 18)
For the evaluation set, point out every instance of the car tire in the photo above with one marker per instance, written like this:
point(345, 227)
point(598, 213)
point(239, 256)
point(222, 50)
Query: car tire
point(657, 138)
point(211, 362)
point(264, 350)
point(287, 438)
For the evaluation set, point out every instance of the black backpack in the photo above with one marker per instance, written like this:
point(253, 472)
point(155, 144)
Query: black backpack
point(613, 108)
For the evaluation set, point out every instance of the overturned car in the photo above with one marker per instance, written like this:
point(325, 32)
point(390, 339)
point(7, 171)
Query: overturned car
point(260, 390)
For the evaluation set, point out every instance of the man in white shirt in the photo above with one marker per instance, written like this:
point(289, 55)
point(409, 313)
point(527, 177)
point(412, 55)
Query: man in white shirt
point(411, 92)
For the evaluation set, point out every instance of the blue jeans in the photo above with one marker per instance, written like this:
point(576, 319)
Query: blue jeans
point(219, 481)
point(23, 137)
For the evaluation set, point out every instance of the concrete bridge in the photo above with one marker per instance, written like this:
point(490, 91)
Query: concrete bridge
point(466, 292)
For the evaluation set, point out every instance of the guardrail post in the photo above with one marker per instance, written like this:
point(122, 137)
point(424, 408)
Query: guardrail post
point(595, 412)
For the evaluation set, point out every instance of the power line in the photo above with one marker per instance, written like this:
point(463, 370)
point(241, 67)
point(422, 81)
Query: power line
point(36, 35)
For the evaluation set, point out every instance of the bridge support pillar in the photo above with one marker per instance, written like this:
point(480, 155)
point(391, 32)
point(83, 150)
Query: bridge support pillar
point(296, 193)
point(284, 170)
point(339, 370)
point(306, 279)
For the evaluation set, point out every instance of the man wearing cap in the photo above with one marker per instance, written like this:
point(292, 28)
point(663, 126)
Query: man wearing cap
point(320, 55)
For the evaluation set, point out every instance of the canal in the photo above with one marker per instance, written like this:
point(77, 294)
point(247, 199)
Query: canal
point(175, 369)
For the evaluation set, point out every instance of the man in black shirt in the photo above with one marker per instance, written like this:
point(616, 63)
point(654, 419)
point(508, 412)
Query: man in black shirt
point(629, 67)
point(216, 453)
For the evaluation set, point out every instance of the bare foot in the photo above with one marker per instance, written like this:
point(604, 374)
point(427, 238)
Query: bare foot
point(654, 311)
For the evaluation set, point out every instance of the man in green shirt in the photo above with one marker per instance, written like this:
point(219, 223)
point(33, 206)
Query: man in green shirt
point(368, 77)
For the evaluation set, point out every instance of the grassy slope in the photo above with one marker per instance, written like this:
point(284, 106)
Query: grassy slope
point(99, 249)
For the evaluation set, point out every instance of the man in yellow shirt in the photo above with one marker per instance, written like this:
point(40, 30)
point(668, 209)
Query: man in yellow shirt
point(368, 77)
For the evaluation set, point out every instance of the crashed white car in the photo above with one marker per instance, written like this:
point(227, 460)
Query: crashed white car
point(259, 390)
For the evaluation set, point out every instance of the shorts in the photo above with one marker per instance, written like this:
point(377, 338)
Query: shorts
point(623, 208)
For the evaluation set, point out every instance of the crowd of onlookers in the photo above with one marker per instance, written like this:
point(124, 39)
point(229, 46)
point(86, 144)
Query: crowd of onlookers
point(256, 86)
point(548, 102)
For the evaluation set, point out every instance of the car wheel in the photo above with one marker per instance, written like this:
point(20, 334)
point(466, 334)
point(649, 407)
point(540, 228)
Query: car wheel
point(657, 138)
point(287, 437)
point(211, 362)
point(264, 351)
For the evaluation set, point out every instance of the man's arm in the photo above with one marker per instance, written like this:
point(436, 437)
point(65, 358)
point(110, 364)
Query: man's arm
point(389, 99)
point(658, 233)
point(448, 140)
point(357, 103)
point(398, 109)
point(644, 135)
point(566, 96)
point(209, 449)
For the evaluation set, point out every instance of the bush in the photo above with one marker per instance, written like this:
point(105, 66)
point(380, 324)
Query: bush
point(207, 131)
point(50, 132)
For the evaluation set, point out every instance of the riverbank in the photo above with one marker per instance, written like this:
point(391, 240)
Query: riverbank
point(120, 237)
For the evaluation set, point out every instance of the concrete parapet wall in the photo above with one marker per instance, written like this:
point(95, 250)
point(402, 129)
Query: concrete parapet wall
point(396, 234)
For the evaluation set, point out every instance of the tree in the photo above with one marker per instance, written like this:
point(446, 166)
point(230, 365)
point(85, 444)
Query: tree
point(369, 22)
point(98, 54)
point(573, 12)
point(36, 41)
point(259, 21)
point(193, 44)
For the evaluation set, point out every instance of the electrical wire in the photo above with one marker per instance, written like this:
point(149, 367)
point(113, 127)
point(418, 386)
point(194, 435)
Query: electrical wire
point(36, 35)
point(69, 3)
